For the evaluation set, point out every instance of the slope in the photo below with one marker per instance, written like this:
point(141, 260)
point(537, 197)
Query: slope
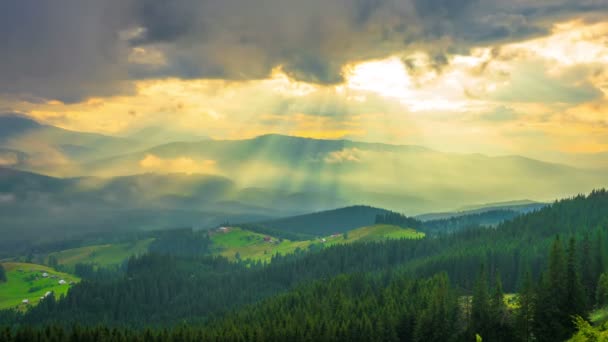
point(328, 222)
point(401, 178)
point(237, 243)
point(201, 288)
point(26, 282)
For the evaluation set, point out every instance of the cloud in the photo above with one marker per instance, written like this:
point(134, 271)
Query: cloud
point(347, 155)
point(312, 40)
point(74, 49)
point(6, 198)
point(530, 83)
point(8, 158)
point(153, 163)
point(64, 49)
point(501, 114)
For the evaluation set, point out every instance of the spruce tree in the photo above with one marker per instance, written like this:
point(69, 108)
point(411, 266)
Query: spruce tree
point(498, 314)
point(552, 320)
point(599, 257)
point(480, 307)
point(601, 294)
point(498, 302)
point(588, 278)
point(525, 313)
point(575, 293)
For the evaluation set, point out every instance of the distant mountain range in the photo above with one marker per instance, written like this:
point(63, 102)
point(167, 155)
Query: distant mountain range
point(29, 145)
point(267, 176)
point(518, 207)
point(403, 178)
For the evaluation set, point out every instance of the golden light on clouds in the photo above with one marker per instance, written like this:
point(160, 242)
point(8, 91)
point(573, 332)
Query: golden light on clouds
point(494, 99)
point(152, 163)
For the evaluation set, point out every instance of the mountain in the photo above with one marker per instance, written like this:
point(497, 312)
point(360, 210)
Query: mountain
point(298, 175)
point(14, 125)
point(522, 205)
point(408, 179)
point(516, 207)
point(157, 135)
point(327, 222)
point(55, 150)
point(36, 208)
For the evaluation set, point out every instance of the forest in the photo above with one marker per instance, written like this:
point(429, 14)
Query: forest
point(448, 287)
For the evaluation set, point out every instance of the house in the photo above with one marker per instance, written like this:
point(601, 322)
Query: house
point(62, 282)
point(267, 239)
point(48, 293)
point(323, 240)
point(45, 275)
point(223, 229)
point(25, 301)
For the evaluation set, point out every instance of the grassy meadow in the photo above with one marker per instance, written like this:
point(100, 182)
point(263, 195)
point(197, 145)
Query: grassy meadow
point(25, 281)
point(255, 246)
point(101, 255)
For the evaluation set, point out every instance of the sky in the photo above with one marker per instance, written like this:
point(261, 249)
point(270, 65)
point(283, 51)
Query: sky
point(470, 76)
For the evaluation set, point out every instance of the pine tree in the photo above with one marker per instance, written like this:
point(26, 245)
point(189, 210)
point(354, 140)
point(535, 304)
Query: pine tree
point(601, 294)
point(525, 313)
point(498, 301)
point(501, 331)
point(588, 278)
point(552, 321)
point(599, 260)
point(575, 293)
point(480, 307)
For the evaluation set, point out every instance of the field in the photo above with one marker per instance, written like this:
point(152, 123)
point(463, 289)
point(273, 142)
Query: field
point(250, 245)
point(375, 233)
point(101, 255)
point(255, 246)
point(25, 281)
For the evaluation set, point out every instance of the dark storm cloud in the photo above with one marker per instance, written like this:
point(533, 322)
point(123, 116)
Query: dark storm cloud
point(61, 49)
point(312, 40)
point(70, 49)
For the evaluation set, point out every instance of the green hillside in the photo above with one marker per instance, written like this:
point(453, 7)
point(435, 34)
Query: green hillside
point(255, 246)
point(376, 232)
point(101, 255)
point(25, 281)
point(328, 222)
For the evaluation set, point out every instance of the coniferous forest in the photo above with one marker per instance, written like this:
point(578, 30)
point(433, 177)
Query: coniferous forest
point(528, 279)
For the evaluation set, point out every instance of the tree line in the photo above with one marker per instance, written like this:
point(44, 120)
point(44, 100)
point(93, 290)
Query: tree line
point(555, 278)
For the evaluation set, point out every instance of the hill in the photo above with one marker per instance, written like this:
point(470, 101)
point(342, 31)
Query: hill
point(26, 281)
point(517, 207)
point(235, 241)
point(327, 222)
point(55, 150)
point(37, 209)
point(454, 223)
point(408, 179)
point(172, 290)
point(101, 255)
